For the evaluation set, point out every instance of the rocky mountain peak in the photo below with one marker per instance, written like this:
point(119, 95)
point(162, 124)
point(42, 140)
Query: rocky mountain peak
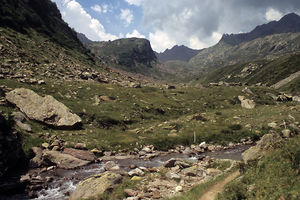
point(289, 23)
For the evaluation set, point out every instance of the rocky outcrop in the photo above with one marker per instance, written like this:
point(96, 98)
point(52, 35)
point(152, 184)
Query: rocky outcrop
point(62, 160)
point(264, 145)
point(44, 109)
point(246, 103)
point(95, 185)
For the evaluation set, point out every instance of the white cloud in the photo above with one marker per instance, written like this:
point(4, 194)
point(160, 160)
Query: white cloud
point(101, 9)
point(161, 41)
point(127, 16)
point(97, 8)
point(105, 8)
point(200, 23)
point(273, 14)
point(196, 43)
point(136, 34)
point(134, 2)
point(75, 15)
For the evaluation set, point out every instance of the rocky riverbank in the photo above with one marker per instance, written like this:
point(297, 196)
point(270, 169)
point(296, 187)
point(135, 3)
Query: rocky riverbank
point(56, 168)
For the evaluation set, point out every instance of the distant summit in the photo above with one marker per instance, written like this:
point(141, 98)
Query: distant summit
point(181, 53)
point(290, 23)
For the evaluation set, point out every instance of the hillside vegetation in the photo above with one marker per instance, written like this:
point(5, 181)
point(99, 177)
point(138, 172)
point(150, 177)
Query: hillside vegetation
point(266, 72)
point(276, 176)
point(268, 47)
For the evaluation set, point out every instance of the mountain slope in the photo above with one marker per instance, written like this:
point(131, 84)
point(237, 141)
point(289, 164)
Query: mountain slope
point(263, 47)
point(263, 71)
point(181, 53)
point(41, 16)
point(83, 39)
point(35, 43)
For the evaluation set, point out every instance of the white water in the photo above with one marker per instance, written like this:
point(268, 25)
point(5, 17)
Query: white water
point(57, 193)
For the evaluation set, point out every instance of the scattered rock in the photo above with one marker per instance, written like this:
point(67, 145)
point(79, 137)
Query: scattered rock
point(172, 175)
point(136, 178)
point(23, 126)
point(136, 172)
point(96, 185)
point(272, 125)
point(130, 192)
point(170, 163)
point(107, 98)
point(179, 189)
point(45, 145)
point(37, 160)
point(44, 109)
point(286, 133)
point(213, 172)
point(246, 103)
point(110, 166)
point(80, 146)
point(296, 98)
point(62, 160)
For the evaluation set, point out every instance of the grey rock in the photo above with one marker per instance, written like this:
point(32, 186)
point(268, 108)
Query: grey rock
point(62, 160)
point(246, 103)
point(44, 109)
point(263, 146)
point(95, 186)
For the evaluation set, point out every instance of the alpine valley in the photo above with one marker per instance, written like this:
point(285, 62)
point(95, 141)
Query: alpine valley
point(83, 119)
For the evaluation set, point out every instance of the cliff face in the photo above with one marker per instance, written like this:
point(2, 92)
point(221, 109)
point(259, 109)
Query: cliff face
point(127, 54)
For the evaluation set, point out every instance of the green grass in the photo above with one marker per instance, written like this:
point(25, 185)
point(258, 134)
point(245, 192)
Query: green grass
point(197, 191)
point(148, 115)
point(220, 164)
point(276, 176)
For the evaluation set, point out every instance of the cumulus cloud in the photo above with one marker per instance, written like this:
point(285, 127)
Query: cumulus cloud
point(97, 8)
point(200, 23)
point(134, 2)
point(161, 41)
point(273, 14)
point(81, 21)
point(135, 34)
point(100, 9)
point(127, 16)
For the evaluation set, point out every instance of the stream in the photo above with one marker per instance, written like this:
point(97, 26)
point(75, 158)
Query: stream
point(65, 181)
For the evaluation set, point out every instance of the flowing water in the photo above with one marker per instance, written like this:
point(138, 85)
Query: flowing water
point(65, 181)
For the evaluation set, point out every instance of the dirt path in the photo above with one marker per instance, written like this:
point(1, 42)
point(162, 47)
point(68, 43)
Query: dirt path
point(213, 191)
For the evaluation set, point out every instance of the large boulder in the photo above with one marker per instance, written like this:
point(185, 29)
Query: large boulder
point(80, 154)
point(44, 109)
point(246, 103)
point(263, 146)
point(62, 160)
point(95, 186)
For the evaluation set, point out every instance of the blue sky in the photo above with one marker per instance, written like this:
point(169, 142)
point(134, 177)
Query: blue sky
point(195, 23)
point(109, 13)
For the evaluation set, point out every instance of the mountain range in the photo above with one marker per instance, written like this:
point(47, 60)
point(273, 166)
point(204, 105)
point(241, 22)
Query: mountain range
point(181, 53)
point(75, 112)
